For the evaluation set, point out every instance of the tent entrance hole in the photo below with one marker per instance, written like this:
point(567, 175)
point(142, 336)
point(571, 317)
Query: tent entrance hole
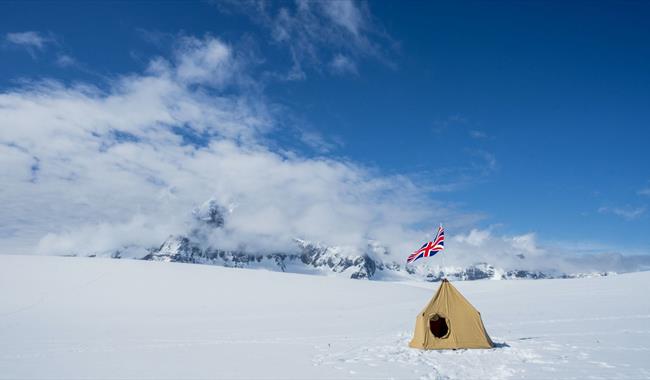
point(438, 326)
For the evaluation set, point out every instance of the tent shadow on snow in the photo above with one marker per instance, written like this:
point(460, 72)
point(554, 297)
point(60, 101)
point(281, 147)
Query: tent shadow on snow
point(449, 321)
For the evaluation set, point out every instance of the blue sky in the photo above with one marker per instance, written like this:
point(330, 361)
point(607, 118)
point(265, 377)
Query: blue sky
point(521, 117)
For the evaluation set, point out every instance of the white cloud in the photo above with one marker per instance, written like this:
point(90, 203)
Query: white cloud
point(475, 237)
point(86, 169)
point(341, 64)
point(645, 191)
point(486, 162)
point(206, 61)
point(313, 30)
point(441, 125)
point(508, 252)
point(64, 60)
point(627, 213)
point(476, 134)
point(523, 252)
point(344, 13)
point(317, 141)
point(30, 39)
point(526, 243)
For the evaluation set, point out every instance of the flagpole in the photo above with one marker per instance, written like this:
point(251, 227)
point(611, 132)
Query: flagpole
point(444, 274)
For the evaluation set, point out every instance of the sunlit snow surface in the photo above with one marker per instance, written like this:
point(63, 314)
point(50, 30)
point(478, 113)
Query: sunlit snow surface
point(93, 318)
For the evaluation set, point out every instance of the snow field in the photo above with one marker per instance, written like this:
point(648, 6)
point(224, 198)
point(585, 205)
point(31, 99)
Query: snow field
point(100, 318)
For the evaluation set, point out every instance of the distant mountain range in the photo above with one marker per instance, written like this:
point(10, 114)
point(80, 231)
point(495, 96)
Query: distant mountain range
point(312, 258)
point(319, 259)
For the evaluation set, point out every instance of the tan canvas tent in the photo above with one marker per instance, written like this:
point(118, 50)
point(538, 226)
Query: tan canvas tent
point(449, 321)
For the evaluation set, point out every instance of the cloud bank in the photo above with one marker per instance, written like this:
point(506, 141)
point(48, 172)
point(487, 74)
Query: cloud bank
point(90, 169)
point(627, 213)
point(28, 39)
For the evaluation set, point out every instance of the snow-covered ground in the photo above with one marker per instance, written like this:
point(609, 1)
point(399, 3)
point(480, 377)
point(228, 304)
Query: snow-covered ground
point(98, 318)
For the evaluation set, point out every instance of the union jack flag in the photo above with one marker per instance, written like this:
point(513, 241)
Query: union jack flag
point(431, 248)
